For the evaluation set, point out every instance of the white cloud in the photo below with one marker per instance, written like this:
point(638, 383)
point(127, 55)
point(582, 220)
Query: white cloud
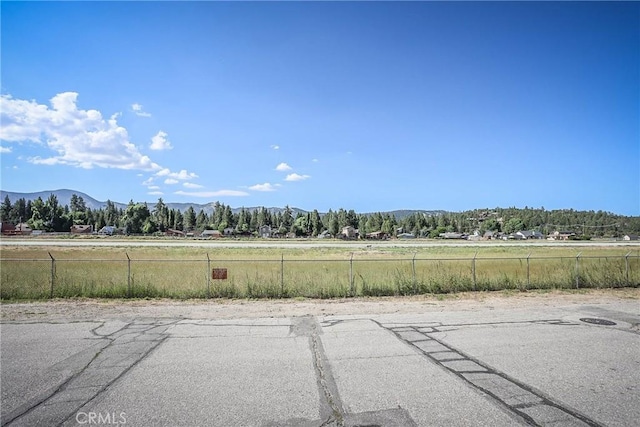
point(81, 138)
point(155, 193)
point(283, 167)
point(210, 194)
point(160, 142)
point(315, 160)
point(154, 187)
point(296, 177)
point(192, 185)
point(183, 175)
point(275, 147)
point(5, 150)
point(137, 108)
point(264, 187)
point(171, 181)
point(37, 160)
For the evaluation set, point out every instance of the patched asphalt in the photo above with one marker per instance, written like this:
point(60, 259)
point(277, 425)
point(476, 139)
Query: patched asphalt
point(516, 366)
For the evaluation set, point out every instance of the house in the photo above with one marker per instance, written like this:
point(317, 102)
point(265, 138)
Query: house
point(450, 235)
point(631, 237)
point(561, 235)
point(349, 232)
point(7, 228)
point(174, 233)
point(406, 236)
point(290, 235)
point(23, 229)
point(325, 235)
point(265, 231)
point(228, 232)
point(107, 230)
point(110, 230)
point(377, 235)
point(489, 235)
point(81, 229)
point(529, 235)
point(211, 234)
point(475, 236)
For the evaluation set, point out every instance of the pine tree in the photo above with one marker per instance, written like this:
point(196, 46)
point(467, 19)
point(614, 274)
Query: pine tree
point(5, 210)
point(189, 220)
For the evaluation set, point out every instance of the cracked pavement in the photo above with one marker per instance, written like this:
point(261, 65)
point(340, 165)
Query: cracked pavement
point(522, 365)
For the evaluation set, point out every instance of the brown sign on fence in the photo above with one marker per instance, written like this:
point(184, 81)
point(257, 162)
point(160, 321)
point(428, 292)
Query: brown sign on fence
point(219, 274)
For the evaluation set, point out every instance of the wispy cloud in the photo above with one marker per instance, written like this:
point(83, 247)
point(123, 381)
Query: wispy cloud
point(283, 167)
point(4, 150)
point(171, 181)
point(296, 177)
point(264, 187)
point(210, 194)
point(155, 193)
point(81, 138)
point(275, 147)
point(137, 108)
point(192, 185)
point(160, 142)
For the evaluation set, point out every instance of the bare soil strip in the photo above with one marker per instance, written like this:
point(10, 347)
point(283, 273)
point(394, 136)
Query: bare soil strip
point(93, 309)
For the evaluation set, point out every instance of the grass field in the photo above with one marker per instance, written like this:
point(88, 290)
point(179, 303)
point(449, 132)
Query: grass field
point(313, 272)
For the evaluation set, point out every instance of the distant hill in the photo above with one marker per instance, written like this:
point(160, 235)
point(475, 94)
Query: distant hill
point(64, 198)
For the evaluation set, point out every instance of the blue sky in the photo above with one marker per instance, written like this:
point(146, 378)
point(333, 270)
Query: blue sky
point(371, 106)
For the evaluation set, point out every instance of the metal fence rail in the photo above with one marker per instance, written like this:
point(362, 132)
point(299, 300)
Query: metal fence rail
point(319, 277)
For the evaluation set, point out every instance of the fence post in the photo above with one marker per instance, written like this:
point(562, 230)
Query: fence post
point(53, 273)
point(415, 281)
point(128, 275)
point(473, 268)
point(208, 276)
point(578, 270)
point(281, 275)
point(528, 272)
point(351, 290)
point(626, 268)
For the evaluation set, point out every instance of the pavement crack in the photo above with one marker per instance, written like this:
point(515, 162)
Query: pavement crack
point(331, 408)
point(47, 395)
point(119, 354)
point(124, 371)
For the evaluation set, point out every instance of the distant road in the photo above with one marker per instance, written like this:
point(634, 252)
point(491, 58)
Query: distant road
point(224, 243)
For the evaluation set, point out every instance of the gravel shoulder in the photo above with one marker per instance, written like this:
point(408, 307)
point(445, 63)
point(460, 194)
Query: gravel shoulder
point(92, 309)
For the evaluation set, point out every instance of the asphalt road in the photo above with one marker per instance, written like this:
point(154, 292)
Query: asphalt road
point(516, 365)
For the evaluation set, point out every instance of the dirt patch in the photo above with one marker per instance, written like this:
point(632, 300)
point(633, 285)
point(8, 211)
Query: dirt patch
point(89, 309)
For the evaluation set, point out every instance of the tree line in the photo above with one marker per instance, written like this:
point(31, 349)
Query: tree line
point(138, 218)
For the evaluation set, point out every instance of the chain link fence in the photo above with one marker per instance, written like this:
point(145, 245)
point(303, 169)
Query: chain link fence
point(312, 278)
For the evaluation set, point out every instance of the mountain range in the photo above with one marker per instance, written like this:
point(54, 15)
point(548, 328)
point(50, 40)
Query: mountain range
point(64, 198)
